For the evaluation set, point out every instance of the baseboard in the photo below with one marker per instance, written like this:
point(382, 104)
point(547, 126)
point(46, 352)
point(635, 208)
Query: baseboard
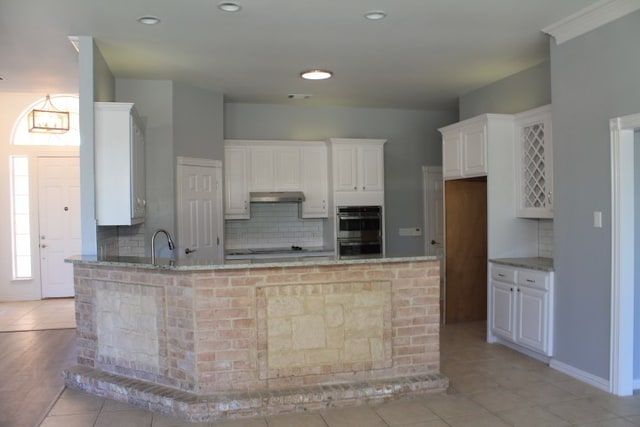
point(534, 355)
point(580, 375)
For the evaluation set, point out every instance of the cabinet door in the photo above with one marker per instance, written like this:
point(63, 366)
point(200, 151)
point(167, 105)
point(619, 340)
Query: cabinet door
point(532, 318)
point(451, 155)
point(345, 166)
point(138, 199)
point(474, 150)
point(261, 169)
point(314, 182)
point(502, 318)
point(535, 166)
point(236, 186)
point(286, 171)
point(371, 168)
point(119, 165)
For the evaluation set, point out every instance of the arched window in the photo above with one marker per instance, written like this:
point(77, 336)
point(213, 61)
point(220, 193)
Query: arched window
point(22, 136)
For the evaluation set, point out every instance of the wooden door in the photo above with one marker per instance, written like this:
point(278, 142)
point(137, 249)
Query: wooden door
point(466, 250)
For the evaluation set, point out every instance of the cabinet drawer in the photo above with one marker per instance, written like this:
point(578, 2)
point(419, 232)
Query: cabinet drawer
point(503, 274)
point(533, 279)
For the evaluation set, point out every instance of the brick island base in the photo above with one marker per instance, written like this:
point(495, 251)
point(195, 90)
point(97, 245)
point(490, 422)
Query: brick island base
point(204, 344)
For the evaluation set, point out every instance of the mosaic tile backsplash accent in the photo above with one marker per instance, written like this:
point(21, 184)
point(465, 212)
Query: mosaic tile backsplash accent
point(273, 225)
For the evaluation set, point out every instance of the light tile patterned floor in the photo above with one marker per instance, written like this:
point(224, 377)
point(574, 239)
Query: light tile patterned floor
point(491, 386)
point(57, 313)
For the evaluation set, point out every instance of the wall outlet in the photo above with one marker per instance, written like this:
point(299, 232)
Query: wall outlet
point(415, 231)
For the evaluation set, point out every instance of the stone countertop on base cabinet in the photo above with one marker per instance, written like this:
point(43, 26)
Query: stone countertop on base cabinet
point(533, 263)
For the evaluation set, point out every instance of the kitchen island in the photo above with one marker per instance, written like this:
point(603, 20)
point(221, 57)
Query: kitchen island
point(207, 342)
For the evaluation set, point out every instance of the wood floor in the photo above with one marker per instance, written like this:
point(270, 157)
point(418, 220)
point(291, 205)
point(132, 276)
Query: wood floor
point(30, 379)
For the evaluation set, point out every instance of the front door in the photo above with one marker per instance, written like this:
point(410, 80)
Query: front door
point(200, 211)
point(59, 220)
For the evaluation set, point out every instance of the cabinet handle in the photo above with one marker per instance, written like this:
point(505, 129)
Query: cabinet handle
point(499, 274)
point(531, 281)
point(518, 289)
point(364, 188)
point(355, 188)
point(511, 289)
point(549, 197)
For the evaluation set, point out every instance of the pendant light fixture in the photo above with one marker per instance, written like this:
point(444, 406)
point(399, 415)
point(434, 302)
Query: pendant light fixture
point(48, 119)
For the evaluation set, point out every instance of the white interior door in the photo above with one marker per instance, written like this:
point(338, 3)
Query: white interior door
point(434, 210)
point(434, 222)
point(59, 223)
point(200, 220)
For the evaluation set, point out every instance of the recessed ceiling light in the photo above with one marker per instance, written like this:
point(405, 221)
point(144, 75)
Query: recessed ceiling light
point(229, 6)
point(149, 20)
point(375, 15)
point(316, 74)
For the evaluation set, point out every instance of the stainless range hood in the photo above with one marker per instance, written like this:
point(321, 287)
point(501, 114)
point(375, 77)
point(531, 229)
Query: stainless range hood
point(276, 196)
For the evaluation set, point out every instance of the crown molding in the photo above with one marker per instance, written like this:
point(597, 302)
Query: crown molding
point(590, 18)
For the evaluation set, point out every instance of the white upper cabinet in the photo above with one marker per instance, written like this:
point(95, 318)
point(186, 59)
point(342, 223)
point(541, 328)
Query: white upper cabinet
point(464, 148)
point(119, 164)
point(358, 167)
point(236, 185)
point(534, 163)
point(314, 181)
point(263, 165)
point(274, 168)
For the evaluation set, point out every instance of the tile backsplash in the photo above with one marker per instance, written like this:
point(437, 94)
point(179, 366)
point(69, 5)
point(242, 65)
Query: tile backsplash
point(545, 238)
point(273, 225)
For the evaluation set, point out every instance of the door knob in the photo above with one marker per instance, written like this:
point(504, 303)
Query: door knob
point(188, 251)
point(433, 242)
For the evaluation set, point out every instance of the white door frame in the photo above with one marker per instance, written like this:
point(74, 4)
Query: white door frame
point(622, 254)
point(181, 162)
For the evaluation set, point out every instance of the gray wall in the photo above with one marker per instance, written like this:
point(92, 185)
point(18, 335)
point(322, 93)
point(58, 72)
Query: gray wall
point(197, 123)
point(413, 141)
point(594, 78)
point(520, 92)
point(154, 103)
point(96, 83)
point(636, 176)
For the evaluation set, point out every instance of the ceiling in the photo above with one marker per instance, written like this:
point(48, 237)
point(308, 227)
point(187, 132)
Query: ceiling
point(423, 55)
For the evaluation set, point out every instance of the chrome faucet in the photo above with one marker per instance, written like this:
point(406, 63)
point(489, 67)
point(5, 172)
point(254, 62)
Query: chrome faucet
point(153, 243)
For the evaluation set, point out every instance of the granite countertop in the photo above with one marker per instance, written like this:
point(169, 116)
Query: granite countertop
point(184, 265)
point(533, 263)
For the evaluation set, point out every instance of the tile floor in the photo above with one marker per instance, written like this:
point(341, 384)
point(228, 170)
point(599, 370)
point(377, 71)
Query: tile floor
point(491, 386)
point(57, 313)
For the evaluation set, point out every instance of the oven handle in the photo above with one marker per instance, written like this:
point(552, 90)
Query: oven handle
point(357, 216)
point(358, 243)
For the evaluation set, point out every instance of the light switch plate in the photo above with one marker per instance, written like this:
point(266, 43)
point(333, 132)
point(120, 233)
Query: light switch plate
point(597, 219)
point(415, 231)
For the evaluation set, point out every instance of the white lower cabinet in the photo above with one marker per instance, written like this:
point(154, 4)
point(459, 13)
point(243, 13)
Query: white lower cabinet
point(521, 307)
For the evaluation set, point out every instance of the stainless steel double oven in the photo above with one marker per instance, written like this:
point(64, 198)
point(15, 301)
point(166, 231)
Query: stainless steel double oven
point(359, 232)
